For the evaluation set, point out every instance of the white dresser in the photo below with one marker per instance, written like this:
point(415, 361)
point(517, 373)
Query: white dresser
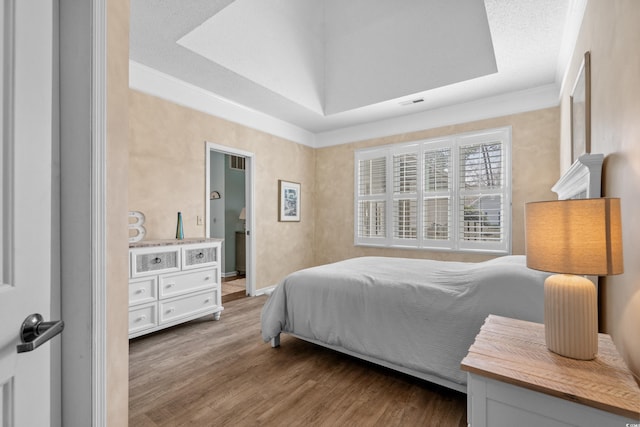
point(171, 282)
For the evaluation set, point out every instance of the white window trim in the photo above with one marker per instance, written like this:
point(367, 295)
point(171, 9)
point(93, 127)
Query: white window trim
point(454, 244)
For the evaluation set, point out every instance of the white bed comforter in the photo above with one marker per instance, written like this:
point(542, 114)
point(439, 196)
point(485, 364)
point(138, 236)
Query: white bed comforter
point(418, 314)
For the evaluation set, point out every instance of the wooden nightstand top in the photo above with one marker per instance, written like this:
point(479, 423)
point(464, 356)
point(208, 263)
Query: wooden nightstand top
point(514, 351)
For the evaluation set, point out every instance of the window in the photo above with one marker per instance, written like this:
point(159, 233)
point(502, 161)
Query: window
point(449, 193)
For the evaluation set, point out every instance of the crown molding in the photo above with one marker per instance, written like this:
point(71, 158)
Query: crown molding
point(485, 108)
point(153, 82)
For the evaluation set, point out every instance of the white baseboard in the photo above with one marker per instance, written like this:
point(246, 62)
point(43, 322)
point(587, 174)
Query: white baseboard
point(229, 274)
point(265, 291)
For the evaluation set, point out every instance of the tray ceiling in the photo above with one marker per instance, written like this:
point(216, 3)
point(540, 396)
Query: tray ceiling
point(324, 65)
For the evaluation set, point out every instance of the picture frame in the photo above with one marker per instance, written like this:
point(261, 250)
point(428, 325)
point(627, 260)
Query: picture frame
point(581, 110)
point(288, 201)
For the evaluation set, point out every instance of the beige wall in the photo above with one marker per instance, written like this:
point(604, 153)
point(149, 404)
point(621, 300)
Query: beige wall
point(117, 240)
point(610, 32)
point(535, 162)
point(167, 169)
point(167, 175)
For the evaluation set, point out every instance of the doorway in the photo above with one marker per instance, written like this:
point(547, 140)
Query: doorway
point(229, 215)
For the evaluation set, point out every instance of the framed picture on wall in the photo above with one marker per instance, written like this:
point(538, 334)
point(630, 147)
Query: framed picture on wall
point(289, 201)
point(581, 110)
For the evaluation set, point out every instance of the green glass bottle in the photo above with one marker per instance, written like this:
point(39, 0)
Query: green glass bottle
point(179, 228)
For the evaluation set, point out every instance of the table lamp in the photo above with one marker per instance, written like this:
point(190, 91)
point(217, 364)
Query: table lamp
point(243, 218)
point(573, 238)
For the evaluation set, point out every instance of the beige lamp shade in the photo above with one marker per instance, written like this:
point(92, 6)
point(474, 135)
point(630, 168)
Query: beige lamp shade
point(581, 236)
point(243, 214)
point(575, 238)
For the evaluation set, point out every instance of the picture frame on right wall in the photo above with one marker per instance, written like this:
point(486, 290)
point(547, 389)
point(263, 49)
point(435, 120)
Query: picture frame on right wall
point(581, 110)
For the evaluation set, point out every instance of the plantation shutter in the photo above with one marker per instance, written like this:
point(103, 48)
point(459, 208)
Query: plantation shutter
point(405, 196)
point(437, 194)
point(372, 189)
point(481, 200)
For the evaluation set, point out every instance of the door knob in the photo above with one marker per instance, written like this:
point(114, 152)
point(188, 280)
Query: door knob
point(35, 331)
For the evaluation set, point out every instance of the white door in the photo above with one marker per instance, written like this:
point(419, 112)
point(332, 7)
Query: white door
point(26, 238)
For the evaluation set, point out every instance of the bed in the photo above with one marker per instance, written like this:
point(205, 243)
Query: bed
point(413, 315)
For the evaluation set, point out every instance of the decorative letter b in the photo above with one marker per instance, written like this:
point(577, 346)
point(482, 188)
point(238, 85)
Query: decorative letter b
point(136, 226)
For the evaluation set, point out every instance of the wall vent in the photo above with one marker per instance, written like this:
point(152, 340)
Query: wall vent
point(237, 163)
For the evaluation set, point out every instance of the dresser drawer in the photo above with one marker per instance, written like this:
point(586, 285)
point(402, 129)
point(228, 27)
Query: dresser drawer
point(180, 283)
point(196, 256)
point(143, 290)
point(154, 260)
point(142, 317)
point(187, 305)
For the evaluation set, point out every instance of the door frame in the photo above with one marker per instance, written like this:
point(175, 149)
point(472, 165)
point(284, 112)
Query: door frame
point(83, 251)
point(249, 203)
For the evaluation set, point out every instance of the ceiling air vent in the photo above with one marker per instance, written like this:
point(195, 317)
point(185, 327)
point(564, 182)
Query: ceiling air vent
point(412, 101)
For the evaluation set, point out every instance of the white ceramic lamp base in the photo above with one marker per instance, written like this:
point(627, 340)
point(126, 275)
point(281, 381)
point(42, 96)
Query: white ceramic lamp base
point(571, 316)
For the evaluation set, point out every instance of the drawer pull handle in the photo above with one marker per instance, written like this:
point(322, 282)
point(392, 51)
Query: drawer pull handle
point(141, 291)
point(141, 318)
point(157, 260)
point(171, 310)
point(200, 255)
point(207, 300)
point(170, 285)
point(206, 279)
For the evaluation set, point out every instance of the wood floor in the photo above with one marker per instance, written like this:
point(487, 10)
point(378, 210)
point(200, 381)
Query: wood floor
point(233, 288)
point(221, 373)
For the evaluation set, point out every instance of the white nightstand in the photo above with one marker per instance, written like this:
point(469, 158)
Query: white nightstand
point(513, 380)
